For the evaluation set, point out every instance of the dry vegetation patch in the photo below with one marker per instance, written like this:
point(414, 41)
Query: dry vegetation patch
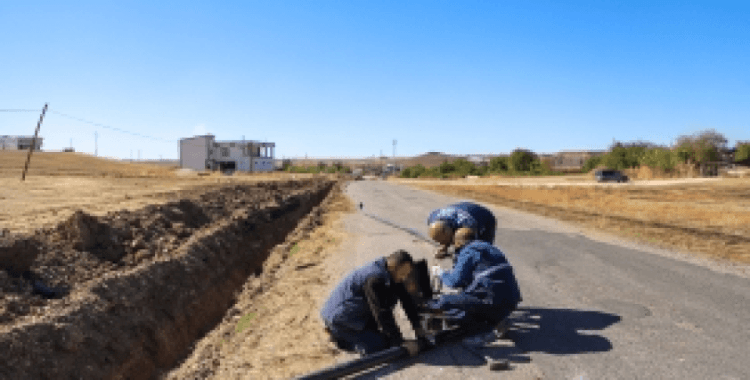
point(59, 184)
point(710, 219)
point(273, 331)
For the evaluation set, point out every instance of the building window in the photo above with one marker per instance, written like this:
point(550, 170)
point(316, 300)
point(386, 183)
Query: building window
point(225, 152)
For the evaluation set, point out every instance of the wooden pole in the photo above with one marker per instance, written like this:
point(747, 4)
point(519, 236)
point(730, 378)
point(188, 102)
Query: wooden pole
point(33, 142)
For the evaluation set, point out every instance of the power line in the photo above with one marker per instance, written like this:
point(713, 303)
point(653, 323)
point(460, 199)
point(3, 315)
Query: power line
point(100, 125)
point(110, 127)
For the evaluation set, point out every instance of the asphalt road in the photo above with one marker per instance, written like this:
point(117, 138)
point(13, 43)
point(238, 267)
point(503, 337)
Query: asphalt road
point(594, 307)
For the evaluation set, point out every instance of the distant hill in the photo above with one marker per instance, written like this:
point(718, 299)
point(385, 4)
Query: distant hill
point(430, 159)
point(75, 165)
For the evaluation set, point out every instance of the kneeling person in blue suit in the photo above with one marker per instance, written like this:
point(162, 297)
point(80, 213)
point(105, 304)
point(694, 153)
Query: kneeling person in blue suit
point(359, 312)
point(489, 288)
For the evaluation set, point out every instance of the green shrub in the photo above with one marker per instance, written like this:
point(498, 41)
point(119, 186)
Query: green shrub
point(413, 171)
point(742, 153)
point(521, 160)
point(591, 163)
point(623, 157)
point(661, 158)
point(498, 164)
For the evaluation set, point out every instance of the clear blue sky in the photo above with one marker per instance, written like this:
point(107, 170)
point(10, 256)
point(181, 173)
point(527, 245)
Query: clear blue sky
point(345, 78)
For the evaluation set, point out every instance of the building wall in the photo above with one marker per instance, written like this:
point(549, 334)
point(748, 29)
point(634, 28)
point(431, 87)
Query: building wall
point(194, 152)
point(262, 164)
point(203, 152)
point(19, 142)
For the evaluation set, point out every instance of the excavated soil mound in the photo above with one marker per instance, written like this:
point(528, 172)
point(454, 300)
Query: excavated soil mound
point(17, 253)
point(135, 289)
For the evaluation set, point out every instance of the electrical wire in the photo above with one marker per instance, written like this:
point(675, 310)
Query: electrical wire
point(110, 127)
point(100, 125)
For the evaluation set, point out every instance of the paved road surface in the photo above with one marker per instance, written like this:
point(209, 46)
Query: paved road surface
point(593, 308)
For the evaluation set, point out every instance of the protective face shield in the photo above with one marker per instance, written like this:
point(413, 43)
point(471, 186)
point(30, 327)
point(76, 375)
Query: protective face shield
point(464, 236)
point(417, 282)
point(441, 232)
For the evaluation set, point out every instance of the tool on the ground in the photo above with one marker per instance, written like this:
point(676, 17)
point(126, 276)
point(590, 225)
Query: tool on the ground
point(439, 330)
point(358, 365)
point(492, 364)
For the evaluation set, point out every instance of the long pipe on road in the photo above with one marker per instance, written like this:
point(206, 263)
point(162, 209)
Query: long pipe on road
point(358, 365)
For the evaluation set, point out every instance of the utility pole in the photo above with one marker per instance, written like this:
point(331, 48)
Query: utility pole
point(96, 143)
point(394, 152)
point(33, 142)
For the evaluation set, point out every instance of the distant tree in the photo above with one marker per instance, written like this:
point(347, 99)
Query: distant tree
point(413, 171)
point(700, 147)
point(659, 157)
point(464, 167)
point(591, 163)
point(285, 164)
point(742, 153)
point(498, 164)
point(712, 138)
point(446, 167)
point(521, 160)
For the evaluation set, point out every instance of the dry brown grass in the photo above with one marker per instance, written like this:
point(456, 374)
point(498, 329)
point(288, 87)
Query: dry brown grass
point(58, 184)
point(709, 219)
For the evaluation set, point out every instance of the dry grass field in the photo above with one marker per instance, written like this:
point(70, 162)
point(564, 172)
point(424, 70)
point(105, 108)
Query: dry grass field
point(58, 184)
point(704, 216)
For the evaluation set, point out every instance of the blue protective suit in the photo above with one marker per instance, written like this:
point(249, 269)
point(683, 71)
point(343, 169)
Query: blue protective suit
point(467, 214)
point(490, 290)
point(359, 312)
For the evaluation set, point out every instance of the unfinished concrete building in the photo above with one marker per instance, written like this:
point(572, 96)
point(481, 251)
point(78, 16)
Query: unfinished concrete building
point(205, 153)
point(19, 142)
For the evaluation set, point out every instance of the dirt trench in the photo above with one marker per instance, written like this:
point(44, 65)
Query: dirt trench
point(138, 288)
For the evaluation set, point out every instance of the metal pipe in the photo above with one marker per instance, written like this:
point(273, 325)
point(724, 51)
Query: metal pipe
point(358, 365)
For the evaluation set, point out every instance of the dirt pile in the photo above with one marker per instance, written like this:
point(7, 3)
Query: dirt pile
point(142, 285)
point(17, 253)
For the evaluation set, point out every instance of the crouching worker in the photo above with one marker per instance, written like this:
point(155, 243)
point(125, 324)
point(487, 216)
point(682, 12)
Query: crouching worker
point(463, 217)
point(489, 290)
point(359, 312)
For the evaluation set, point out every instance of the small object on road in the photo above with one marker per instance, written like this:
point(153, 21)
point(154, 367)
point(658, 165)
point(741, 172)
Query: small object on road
point(492, 364)
point(361, 205)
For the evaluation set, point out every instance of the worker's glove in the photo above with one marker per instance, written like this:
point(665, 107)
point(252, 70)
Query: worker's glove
point(437, 285)
point(437, 271)
point(415, 346)
point(442, 252)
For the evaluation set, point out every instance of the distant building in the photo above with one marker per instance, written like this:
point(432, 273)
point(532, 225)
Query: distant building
point(205, 153)
point(19, 142)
